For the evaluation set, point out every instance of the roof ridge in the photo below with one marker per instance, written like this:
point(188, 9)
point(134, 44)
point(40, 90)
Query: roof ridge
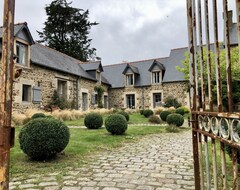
point(59, 52)
point(19, 23)
point(131, 62)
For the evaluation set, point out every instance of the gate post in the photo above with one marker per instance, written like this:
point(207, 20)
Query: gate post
point(6, 92)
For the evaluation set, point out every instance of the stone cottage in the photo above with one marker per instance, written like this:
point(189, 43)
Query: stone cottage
point(141, 84)
point(45, 70)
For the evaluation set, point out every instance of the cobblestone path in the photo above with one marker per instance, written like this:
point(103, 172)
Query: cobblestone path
point(160, 162)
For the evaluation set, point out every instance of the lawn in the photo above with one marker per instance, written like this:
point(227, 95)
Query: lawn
point(83, 143)
point(135, 118)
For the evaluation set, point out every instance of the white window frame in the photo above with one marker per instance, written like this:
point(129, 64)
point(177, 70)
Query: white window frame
point(156, 77)
point(129, 81)
point(22, 53)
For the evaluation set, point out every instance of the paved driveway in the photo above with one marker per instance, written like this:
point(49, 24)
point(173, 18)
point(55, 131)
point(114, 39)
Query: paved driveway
point(161, 162)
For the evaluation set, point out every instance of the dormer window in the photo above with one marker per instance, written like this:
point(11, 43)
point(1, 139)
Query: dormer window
point(21, 51)
point(129, 80)
point(156, 77)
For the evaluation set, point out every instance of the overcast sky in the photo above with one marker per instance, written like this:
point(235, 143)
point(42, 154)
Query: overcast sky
point(128, 30)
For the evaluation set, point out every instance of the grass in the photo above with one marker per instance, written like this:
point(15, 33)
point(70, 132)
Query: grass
point(83, 143)
point(135, 118)
point(229, 171)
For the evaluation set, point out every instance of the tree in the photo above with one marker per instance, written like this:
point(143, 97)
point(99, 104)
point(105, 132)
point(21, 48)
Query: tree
point(235, 73)
point(67, 29)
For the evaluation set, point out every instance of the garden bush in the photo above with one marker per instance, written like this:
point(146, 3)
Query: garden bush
point(116, 124)
point(154, 119)
point(175, 119)
point(180, 111)
point(164, 114)
point(38, 115)
point(125, 114)
point(141, 112)
point(147, 112)
point(170, 101)
point(186, 110)
point(93, 121)
point(43, 138)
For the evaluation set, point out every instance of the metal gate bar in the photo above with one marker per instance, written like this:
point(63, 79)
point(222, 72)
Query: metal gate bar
point(216, 126)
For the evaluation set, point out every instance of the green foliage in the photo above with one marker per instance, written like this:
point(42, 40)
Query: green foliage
point(171, 102)
point(43, 138)
point(154, 119)
point(125, 114)
point(67, 30)
point(93, 121)
point(164, 114)
point(180, 111)
point(141, 111)
point(116, 124)
point(175, 119)
point(61, 102)
point(186, 110)
point(235, 72)
point(147, 112)
point(37, 115)
point(100, 90)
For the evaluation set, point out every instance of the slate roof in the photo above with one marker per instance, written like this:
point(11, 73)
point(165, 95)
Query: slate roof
point(44, 56)
point(17, 28)
point(113, 73)
point(133, 68)
point(92, 66)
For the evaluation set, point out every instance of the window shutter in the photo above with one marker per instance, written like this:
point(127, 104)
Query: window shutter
point(37, 94)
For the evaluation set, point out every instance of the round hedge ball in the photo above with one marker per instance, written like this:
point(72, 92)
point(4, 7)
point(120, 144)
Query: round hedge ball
point(175, 119)
point(38, 115)
point(93, 121)
point(164, 114)
point(147, 112)
point(116, 124)
point(125, 114)
point(43, 138)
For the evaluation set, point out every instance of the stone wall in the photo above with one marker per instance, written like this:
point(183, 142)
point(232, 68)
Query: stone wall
point(44, 78)
point(87, 86)
point(144, 95)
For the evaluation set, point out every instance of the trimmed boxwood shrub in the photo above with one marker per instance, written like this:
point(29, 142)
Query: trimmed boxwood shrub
point(180, 111)
point(175, 119)
point(116, 124)
point(43, 138)
point(93, 121)
point(154, 119)
point(164, 114)
point(147, 112)
point(38, 115)
point(125, 114)
point(141, 112)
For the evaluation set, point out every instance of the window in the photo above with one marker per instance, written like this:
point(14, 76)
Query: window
point(26, 93)
point(62, 89)
point(130, 101)
point(21, 51)
point(156, 77)
point(98, 76)
point(157, 98)
point(129, 80)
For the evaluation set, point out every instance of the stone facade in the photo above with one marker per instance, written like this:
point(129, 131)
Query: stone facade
point(144, 96)
point(46, 81)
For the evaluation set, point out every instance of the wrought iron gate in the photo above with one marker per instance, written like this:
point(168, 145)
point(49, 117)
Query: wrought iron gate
point(214, 125)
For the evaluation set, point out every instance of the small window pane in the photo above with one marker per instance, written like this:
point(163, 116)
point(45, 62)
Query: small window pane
point(21, 51)
point(26, 93)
